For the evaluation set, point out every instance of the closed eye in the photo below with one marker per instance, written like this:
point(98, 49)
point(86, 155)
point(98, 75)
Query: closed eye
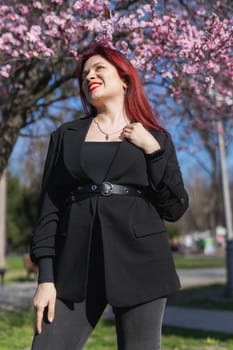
point(96, 66)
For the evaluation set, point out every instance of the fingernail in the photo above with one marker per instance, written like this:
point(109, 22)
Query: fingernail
point(50, 319)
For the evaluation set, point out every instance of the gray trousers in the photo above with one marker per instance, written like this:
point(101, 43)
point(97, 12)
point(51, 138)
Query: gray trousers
point(138, 327)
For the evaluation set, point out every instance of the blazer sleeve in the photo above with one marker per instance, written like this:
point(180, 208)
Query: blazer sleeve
point(167, 192)
point(43, 236)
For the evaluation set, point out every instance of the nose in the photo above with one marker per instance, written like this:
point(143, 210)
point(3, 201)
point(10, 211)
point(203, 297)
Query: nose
point(91, 75)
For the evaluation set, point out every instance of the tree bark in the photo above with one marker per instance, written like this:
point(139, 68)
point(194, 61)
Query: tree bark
point(3, 182)
point(9, 132)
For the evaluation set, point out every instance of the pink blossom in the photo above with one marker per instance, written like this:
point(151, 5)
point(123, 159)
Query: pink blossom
point(36, 30)
point(20, 29)
point(140, 12)
point(4, 9)
point(5, 47)
point(213, 66)
point(33, 34)
point(163, 29)
point(6, 38)
point(167, 74)
point(147, 8)
point(53, 33)
point(51, 19)
point(123, 46)
point(24, 10)
point(82, 6)
point(94, 25)
point(59, 2)
point(5, 70)
point(14, 53)
point(37, 5)
point(189, 69)
point(201, 11)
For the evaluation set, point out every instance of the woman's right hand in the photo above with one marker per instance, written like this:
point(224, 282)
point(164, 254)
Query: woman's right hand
point(45, 297)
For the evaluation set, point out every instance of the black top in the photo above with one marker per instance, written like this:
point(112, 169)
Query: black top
point(97, 157)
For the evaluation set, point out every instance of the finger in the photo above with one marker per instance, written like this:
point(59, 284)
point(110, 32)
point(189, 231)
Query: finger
point(126, 134)
point(131, 125)
point(39, 318)
point(128, 129)
point(51, 311)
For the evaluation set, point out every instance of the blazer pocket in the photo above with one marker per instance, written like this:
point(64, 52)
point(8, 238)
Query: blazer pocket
point(148, 228)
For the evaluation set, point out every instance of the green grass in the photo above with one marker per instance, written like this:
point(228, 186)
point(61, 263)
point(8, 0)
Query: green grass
point(206, 297)
point(16, 271)
point(103, 337)
point(198, 262)
point(184, 339)
point(16, 331)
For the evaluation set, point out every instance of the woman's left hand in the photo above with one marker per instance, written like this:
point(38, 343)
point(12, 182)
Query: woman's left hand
point(140, 137)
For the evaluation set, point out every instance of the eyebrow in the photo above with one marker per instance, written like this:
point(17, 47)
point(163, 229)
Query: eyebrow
point(84, 72)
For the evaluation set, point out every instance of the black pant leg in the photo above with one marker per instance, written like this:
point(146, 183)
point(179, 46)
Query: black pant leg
point(70, 328)
point(139, 327)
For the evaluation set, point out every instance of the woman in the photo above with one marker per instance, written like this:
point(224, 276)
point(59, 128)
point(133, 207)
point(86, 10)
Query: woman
point(109, 180)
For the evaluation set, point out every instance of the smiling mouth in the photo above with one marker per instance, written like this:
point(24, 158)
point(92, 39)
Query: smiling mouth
point(93, 86)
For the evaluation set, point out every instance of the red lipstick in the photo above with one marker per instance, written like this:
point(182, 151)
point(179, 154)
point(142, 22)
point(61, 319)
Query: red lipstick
point(93, 85)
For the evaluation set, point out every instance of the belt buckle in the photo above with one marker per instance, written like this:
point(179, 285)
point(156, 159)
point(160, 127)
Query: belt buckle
point(106, 189)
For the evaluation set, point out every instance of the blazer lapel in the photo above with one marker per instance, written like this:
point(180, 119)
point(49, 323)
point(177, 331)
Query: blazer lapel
point(74, 137)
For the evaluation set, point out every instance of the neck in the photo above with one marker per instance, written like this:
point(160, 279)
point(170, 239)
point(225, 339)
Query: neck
point(112, 114)
point(112, 119)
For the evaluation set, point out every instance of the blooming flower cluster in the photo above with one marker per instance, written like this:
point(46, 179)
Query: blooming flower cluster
point(195, 60)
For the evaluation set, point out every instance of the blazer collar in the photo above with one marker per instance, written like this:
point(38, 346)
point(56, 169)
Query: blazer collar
point(74, 136)
point(82, 122)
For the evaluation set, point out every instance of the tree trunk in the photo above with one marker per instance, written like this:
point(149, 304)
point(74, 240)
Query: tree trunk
point(3, 181)
point(9, 132)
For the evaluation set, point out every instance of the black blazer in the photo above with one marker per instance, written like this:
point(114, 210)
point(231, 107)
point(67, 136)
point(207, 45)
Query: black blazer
point(137, 257)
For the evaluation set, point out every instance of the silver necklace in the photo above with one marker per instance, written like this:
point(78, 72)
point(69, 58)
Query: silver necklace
point(107, 135)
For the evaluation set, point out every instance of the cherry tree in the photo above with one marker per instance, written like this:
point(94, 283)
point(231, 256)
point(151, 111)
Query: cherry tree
point(186, 47)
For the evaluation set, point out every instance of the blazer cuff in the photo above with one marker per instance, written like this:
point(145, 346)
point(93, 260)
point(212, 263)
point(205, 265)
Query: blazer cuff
point(45, 270)
point(156, 155)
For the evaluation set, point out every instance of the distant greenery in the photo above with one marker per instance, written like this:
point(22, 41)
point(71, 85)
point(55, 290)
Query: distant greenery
point(16, 270)
point(21, 213)
point(16, 332)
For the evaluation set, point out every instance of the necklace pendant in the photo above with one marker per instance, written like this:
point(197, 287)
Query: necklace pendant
point(106, 137)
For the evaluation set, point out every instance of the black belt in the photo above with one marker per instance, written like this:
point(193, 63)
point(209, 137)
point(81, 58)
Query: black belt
point(104, 189)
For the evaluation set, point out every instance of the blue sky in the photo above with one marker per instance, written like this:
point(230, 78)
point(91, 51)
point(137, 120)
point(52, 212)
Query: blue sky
point(188, 161)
